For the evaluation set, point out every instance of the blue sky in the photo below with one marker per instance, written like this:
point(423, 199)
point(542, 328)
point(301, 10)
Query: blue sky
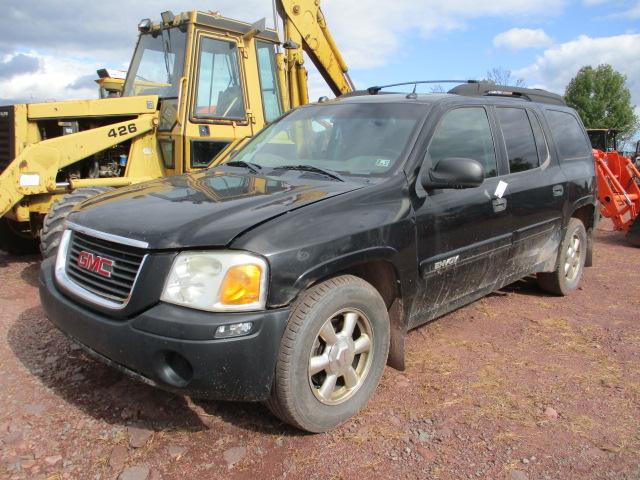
point(49, 50)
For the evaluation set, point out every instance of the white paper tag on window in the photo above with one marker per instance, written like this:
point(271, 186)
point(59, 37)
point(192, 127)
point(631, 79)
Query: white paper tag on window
point(500, 189)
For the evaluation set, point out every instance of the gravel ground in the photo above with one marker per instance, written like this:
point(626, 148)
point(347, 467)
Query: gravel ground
point(516, 386)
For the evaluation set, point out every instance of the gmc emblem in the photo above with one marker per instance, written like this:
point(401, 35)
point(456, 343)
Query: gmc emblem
point(96, 264)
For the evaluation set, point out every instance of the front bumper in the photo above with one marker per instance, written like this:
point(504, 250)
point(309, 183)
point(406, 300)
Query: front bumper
point(172, 347)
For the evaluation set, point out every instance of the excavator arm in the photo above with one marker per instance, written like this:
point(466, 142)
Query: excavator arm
point(305, 30)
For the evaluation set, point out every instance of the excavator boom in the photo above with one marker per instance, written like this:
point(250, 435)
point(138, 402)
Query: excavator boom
point(305, 30)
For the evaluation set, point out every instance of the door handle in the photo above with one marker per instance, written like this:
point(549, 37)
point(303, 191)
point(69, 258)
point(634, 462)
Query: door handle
point(558, 190)
point(499, 204)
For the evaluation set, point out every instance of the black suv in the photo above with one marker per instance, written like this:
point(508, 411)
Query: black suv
point(292, 273)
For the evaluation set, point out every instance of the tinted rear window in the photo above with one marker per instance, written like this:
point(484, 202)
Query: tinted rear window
point(568, 135)
point(518, 138)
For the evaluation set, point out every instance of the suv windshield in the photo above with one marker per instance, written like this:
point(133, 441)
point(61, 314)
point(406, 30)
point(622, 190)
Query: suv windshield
point(352, 139)
point(157, 64)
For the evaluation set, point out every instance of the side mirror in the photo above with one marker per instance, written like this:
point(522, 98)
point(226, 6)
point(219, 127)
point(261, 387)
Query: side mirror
point(453, 173)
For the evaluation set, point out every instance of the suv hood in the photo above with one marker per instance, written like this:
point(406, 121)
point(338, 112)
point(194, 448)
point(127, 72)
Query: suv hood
point(207, 209)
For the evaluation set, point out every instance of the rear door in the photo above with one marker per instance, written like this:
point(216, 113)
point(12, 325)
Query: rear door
point(463, 238)
point(535, 192)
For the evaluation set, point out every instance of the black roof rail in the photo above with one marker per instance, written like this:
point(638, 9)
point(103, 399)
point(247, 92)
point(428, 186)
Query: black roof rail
point(482, 89)
point(376, 89)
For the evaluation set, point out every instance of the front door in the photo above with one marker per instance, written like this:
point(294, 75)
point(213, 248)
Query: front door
point(463, 239)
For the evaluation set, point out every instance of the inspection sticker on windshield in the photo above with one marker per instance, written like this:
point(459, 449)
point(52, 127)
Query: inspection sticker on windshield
point(383, 162)
point(500, 189)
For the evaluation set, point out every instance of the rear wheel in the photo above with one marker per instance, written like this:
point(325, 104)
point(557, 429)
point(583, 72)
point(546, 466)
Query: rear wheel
point(572, 257)
point(56, 220)
point(332, 355)
point(17, 238)
point(633, 235)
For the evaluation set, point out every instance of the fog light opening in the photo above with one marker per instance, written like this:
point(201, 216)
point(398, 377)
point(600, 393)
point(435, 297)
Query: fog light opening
point(234, 330)
point(176, 371)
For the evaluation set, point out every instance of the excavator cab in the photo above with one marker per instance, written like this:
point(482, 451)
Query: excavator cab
point(216, 81)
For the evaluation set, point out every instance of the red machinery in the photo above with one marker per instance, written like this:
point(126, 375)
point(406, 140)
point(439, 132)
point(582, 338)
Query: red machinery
point(618, 184)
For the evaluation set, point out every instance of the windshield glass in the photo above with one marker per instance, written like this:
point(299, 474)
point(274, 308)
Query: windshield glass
point(351, 139)
point(157, 64)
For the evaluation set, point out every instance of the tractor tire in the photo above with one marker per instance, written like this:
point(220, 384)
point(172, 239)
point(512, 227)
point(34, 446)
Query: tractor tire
point(633, 235)
point(56, 220)
point(16, 240)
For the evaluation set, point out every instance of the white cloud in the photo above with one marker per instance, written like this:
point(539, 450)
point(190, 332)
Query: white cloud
point(371, 36)
point(521, 38)
point(53, 81)
point(555, 68)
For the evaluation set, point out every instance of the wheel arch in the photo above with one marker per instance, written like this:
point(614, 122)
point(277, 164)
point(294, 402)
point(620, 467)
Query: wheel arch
point(377, 267)
point(586, 212)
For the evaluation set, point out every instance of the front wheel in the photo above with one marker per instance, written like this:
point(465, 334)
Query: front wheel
point(572, 257)
point(633, 235)
point(332, 354)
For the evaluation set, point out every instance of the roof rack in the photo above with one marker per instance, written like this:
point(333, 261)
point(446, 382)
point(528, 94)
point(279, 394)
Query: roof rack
point(483, 89)
point(375, 90)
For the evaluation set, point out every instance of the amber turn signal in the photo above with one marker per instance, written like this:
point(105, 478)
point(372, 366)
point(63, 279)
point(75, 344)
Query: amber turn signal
point(241, 285)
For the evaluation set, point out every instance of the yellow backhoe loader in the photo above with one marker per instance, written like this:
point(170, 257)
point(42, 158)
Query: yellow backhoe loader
point(198, 86)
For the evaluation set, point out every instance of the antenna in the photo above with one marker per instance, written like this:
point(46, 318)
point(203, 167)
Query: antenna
point(413, 95)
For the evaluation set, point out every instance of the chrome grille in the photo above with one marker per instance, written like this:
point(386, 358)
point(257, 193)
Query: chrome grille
point(7, 134)
point(127, 262)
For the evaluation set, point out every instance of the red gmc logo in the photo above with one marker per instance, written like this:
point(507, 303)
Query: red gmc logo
point(94, 263)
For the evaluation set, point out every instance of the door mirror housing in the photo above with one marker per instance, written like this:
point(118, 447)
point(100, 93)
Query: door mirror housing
point(453, 173)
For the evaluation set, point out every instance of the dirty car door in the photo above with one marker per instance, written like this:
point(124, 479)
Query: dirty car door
point(463, 238)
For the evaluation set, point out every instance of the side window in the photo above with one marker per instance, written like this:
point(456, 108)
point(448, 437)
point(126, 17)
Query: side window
point(465, 133)
point(268, 81)
point(204, 152)
point(518, 138)
point(219, 92)
point(568, 135)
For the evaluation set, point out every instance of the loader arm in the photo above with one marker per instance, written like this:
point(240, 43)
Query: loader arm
point(35, 169)
point(305, 30)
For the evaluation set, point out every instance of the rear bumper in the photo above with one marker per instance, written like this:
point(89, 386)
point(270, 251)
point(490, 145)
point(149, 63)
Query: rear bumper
point(173, 347)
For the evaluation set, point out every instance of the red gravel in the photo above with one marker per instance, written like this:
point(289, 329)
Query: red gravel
point(517, 385)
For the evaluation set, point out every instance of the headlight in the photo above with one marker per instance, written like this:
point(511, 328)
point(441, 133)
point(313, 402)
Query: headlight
point(217, 281)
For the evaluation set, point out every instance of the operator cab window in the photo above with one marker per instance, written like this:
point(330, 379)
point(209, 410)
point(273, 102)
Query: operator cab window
point(519, 141)
point(465, 133)
point(268, 81)
point(219, 94)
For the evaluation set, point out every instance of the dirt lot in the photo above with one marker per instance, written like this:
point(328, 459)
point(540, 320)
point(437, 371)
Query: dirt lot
point(518, 385)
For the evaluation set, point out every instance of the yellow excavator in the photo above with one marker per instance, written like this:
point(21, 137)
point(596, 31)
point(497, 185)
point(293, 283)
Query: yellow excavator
point(198, 86)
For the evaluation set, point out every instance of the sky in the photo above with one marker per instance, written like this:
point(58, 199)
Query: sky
point(50, 50)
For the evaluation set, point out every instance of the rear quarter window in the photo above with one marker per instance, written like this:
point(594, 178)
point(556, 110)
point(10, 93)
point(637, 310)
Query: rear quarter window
point(568, 135)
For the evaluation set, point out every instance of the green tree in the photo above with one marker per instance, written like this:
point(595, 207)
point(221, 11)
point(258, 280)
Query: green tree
point(603, 100)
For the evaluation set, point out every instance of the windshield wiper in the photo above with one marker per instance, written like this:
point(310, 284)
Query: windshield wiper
point(166, 48)
point(252, 167)
point(312, 169)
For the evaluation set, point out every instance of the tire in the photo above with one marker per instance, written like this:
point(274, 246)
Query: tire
point(571, 260)
point(15, 239)
point(633, 235)
point(55, 222)
point(297, 397)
